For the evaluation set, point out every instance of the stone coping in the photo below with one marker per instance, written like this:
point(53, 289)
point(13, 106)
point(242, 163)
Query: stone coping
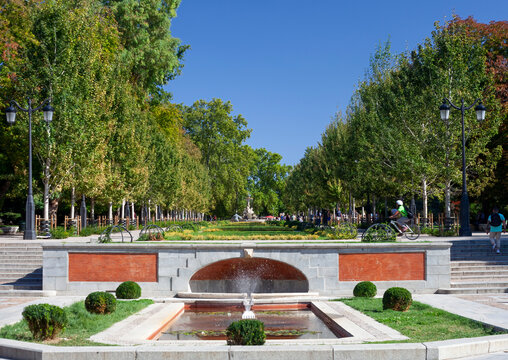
point(438, 350)
point(243, 245)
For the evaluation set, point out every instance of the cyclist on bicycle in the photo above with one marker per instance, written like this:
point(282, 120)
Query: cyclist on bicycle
point(401, 216)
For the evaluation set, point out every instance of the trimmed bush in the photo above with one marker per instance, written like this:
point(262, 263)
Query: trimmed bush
point(100, 303)
point(365, 289)
point(246, 332)
point(397, 298)
point(45, 321)
point(128, 290)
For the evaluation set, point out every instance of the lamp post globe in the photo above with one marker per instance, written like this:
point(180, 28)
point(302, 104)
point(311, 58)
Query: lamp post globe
point(445, 111)
point(10, 114)
point(48, 111)
point(480, 112)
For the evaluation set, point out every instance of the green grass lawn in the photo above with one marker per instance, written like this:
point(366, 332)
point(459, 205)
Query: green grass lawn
point(421, 322)
point(242, 231)
point(81, 325)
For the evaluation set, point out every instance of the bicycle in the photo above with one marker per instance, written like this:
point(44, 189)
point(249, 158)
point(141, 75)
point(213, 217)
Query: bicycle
point(388, 231)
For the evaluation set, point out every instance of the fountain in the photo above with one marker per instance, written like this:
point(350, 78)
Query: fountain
point(247, 303)
point(248, 213)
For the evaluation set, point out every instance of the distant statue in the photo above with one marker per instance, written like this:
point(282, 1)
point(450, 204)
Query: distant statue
point(248, 213)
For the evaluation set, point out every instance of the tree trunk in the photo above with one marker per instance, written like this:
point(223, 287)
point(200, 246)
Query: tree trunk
point(354, 208)
point(122, 211)
point(386, 208)
point(110, 212)
point(73, 202)
point(92, 210)
point(447, 198)
point(425, 202)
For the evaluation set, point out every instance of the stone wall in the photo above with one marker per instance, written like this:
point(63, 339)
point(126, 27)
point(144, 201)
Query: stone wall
point(166, 269)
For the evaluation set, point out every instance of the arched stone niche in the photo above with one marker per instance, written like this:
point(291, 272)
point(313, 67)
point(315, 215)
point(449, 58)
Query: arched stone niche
point(245, 275)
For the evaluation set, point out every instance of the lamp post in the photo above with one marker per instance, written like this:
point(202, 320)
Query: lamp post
point(30, 232)
point(464, 201)
point(82, 212)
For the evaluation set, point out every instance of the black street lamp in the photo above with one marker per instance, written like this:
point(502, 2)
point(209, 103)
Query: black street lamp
point(464, 201)
point(10, 113)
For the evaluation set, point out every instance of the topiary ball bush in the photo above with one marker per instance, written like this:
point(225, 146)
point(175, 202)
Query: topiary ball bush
point(246, 332)
point(128, 290)
point(45, 321)
point(397, 298)
point(100, 303)
point(365, 289)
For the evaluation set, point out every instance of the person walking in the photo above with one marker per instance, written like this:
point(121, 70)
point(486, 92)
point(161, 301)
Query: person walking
point(496, 223)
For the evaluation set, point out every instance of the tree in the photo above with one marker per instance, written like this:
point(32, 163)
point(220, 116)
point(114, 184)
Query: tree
point(266, 182)
point(493, 37)
point(220, 137)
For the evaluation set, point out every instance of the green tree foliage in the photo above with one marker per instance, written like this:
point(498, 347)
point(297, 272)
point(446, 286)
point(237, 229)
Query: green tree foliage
point(115, 134)
point(266, 182)
point(391, 142)
point(220, 136)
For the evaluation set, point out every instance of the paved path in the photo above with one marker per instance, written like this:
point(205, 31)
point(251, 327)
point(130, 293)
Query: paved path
point(493, 356)
point(475, 308)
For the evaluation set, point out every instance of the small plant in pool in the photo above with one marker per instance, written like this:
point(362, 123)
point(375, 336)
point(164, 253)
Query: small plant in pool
point(246, 332)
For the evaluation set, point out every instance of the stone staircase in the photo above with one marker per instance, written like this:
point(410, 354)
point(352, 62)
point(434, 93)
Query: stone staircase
point(477, 269)
point(20, 268)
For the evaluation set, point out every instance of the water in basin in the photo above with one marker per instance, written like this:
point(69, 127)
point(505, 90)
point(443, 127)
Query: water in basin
point(283, 324)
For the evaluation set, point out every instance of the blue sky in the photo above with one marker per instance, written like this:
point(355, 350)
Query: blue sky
point(288, 66)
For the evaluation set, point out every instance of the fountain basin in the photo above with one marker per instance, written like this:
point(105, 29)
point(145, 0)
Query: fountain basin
point(147, 327)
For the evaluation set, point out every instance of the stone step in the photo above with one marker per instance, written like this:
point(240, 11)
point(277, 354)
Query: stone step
point(15, 264)
point(23, 286)
point(21, 252)
point(479, 274)
point(19, 244)
point(20, 276)
point(478, 262)
point(490, 266)
point(479, 284)
point(20, 269)
point(19, 257)
point(466, 290)
point(26, 293)
point(492, 256)
point(21, 265)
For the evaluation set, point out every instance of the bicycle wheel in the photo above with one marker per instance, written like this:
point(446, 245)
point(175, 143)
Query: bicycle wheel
point(348, 229)
point(414, 231)
point(378, 233)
